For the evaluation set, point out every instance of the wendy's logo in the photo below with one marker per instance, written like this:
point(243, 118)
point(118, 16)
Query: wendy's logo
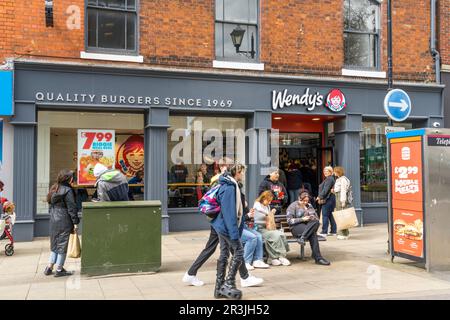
point(335, 100)
point(130, 156)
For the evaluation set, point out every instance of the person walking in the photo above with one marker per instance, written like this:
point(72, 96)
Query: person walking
point(327, 202)
point(63, 221)
point(304, 222)
point(111, 184)
point(271, 183)
point(342, 191)
point(275, 240)
point(229, 225)
point(190, 277)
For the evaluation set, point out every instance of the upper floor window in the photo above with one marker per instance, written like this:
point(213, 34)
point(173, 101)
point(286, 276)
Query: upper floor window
point(236, 32)
point(362, 33)
point(112, 26)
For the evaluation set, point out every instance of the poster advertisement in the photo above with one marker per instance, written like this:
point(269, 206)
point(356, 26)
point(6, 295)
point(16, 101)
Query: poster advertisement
point(130, 154)
point(407, 196)
point(94, 146)
point(408, 232)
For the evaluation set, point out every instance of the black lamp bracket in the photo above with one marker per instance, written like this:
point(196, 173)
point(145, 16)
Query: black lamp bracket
point(49, 13)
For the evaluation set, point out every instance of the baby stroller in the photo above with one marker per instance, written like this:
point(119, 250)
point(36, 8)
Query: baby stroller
point(7, 220)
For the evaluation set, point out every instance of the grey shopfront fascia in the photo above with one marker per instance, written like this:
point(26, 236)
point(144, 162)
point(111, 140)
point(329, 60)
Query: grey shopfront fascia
point(251, 98)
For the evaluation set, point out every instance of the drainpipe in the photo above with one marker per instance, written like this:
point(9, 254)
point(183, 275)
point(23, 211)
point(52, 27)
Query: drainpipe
point(434, 52)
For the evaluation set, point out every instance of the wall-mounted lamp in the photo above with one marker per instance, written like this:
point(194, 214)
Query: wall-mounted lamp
point(236, 36)
point(49, 13)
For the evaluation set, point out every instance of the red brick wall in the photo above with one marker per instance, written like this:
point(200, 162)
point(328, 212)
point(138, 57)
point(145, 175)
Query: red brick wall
point(6, 28)
point(32, 38)
point(302, 36)
point(177, 32)
point(411, 40)
point(297, 36)
point(444, 31)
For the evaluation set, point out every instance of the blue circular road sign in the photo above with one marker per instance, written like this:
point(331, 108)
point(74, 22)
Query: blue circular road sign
point(397, 105)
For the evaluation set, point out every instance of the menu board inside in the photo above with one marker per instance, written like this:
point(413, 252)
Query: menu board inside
point(407, 196)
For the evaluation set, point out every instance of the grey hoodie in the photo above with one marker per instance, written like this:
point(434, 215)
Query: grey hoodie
point(112, 186)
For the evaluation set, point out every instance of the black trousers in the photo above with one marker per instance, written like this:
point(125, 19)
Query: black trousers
point(309, 232)
point(237, 260)
point(208, 251)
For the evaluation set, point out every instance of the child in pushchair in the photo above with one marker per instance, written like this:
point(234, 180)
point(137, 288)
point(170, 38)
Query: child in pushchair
point(7, 220)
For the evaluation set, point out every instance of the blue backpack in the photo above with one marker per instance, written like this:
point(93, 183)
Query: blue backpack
point(208, 204)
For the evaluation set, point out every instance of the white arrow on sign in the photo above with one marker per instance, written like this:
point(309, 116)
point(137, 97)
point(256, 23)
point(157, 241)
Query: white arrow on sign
point(402, 104)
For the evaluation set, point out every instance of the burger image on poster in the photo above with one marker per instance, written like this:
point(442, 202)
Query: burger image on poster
point(406, 153)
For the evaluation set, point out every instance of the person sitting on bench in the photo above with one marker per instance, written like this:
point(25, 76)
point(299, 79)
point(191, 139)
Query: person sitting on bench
point(304, 223)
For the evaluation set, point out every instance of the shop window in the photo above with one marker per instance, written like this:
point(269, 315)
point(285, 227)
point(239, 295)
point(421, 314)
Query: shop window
point(373, 161)
point(112, 26)
point(240, 15)
point(362, 34)
point(195, 146)
point(58, 149)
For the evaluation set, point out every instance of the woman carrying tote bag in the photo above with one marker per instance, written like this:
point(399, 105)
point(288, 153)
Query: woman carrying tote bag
point(342, 191)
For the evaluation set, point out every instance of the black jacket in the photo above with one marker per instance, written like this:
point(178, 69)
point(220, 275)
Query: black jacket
point(294, 180)
point(325, 187)
point(280, 196)
point(63, 215)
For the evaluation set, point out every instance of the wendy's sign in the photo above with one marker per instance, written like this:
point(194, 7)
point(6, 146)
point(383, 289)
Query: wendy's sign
point(335, 100)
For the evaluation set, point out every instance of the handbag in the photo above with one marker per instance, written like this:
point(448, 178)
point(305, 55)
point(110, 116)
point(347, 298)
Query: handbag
point(74, 248)
point(345, 219)
point(270, 222)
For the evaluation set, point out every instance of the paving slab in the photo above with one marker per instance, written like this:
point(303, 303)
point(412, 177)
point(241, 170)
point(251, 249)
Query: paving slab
point(360, 269)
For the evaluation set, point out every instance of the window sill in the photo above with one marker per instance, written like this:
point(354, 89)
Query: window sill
point(363, 73)
point(238, 65)
point(111, 57)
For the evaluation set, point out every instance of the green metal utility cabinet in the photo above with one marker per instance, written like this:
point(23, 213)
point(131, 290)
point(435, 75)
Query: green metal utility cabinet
point(121, 237)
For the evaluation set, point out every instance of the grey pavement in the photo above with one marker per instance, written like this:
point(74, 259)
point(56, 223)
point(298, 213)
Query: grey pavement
point(360, 269)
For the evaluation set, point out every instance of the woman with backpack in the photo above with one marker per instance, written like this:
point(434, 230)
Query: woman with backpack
point(342, 191)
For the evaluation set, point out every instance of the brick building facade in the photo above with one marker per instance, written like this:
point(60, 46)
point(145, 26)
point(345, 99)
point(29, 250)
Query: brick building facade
point(296, 37)
point(316, 71)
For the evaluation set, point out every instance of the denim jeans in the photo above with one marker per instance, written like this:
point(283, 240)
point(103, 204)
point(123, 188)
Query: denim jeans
point(293, 194)
point(327, 215)
point(253, 245)
point(58, 259)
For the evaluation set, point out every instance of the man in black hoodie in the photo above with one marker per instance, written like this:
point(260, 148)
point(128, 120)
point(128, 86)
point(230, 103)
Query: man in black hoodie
point(272, 183)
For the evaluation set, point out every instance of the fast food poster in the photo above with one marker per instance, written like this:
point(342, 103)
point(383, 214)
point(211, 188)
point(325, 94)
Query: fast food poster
point(406, 171)
point(130, 154)
point(407, 196)
point(94, 146)
point(408, 232)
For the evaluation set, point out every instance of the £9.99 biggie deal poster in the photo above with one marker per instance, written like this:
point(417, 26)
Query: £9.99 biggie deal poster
point(407, 195)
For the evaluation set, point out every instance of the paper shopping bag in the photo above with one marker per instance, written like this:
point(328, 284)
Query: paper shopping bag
point(345, 219)
point(74, 249)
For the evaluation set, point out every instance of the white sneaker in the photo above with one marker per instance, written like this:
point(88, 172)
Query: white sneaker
point(251, 281)
point(323, 235)
point(285, 262)
point(192, 280)
point(341, 237)
point(276, 262)
point(260, 264)
point(249, 266)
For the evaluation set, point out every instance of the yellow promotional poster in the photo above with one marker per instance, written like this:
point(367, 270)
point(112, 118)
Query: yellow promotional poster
point(94, 146)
